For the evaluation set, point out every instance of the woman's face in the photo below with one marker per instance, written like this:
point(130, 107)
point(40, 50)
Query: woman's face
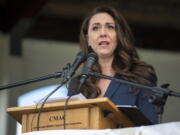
point(102, 35)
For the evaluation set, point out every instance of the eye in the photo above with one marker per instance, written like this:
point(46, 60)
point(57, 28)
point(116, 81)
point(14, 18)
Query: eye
point(111, 27)
point(95, 28)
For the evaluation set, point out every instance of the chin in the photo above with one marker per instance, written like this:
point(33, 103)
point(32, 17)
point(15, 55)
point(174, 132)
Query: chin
point(105, 55)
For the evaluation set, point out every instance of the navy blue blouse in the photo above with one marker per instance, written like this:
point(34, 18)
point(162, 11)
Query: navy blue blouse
point(119, 94)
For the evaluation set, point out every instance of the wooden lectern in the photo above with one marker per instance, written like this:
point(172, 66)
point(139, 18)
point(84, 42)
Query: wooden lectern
point(99, 113)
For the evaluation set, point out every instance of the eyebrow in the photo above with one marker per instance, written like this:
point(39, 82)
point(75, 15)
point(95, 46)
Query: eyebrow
point(96, 23)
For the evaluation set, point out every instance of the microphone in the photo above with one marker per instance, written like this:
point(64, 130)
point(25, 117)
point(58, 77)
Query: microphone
point(91, 60)
point(80, 57)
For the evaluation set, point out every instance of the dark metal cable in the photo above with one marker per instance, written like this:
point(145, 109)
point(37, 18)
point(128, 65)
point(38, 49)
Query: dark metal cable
point(66, 103)
point(65, 110)
point(43, 103)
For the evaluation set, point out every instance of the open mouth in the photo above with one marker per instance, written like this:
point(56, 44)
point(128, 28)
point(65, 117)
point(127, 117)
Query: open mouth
point(104, 43)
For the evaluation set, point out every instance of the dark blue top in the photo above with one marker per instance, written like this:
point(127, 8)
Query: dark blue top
point(119, 94)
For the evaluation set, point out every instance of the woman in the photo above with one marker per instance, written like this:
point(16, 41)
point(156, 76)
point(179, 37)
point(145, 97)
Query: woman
point(106, 33)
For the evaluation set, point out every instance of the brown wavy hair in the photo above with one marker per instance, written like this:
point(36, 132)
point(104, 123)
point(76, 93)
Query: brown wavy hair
point(126, 61)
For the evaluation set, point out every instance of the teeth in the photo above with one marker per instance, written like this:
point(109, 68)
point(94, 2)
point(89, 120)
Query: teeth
point(103, 43)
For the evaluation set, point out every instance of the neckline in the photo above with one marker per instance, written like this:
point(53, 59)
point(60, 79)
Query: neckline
point(112, 83)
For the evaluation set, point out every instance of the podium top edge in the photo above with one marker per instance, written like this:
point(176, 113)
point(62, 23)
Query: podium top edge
point(60, 103)
point(104, 103)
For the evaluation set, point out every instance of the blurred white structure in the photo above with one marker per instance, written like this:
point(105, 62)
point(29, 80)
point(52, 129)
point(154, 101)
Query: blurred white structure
point(32, 97)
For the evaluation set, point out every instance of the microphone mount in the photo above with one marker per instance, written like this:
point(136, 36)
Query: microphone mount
point(38, 79)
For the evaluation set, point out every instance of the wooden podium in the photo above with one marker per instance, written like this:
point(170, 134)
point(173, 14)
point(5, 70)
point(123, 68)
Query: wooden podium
point(99, 113)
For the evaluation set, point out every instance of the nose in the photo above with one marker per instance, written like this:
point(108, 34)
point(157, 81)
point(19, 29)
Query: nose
point(103, 32)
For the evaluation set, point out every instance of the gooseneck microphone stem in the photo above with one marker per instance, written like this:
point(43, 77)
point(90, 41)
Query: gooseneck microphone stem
point(38, 79)
point(154, 89)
